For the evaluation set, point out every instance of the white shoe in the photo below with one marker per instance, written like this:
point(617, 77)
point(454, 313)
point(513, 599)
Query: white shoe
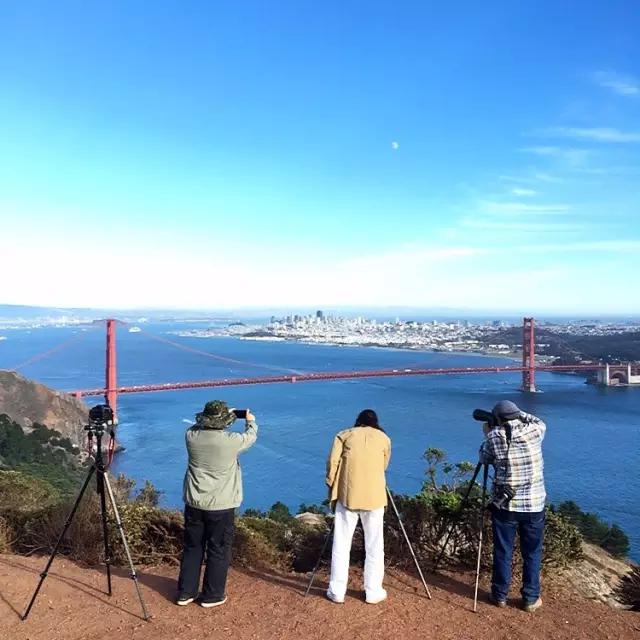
point(334, 598)
point(376, 600)
point(207, 604)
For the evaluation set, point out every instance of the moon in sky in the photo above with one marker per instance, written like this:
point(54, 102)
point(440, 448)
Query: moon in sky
point(395, 145)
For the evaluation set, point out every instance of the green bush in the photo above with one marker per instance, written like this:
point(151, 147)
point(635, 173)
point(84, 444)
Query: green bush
point(611, 538)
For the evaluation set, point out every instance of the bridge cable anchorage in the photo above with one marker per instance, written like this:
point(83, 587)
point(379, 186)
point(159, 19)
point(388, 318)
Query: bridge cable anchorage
point(208, 354)
point(49, 352)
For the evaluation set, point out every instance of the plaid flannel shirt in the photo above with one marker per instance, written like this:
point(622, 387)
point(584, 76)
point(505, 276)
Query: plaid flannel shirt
point(524, 470)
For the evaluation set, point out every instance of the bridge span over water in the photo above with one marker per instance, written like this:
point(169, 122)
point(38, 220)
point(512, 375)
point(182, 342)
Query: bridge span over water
point(527, 369)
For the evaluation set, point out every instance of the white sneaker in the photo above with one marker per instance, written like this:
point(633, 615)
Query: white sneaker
point(381, 597)
point(207, 604)
point(334, 598)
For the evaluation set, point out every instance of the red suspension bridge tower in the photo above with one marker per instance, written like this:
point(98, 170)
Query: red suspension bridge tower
point(528, 355)
point(111, 383)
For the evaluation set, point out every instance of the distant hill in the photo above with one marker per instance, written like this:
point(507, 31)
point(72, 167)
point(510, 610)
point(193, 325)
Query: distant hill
point(28, 402)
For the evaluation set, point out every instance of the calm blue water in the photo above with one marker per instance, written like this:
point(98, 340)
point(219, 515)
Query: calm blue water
point(592, 449)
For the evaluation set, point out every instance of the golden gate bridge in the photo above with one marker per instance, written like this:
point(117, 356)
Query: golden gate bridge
point(111, 390)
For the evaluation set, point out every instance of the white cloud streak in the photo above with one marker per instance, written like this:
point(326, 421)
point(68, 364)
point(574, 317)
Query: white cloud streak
point(618, 83)
point(572, 156)
point(595, 134)
point(523, 193)
point(517, 208)
point(518, 226)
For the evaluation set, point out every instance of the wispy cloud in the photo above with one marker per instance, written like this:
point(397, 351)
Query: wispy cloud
point(523, 193)
point(517, 208)
point(531, 178)
point(546, 177)
point(503, 225)
point(574, 157)
point(621, 84)
point(596, 134)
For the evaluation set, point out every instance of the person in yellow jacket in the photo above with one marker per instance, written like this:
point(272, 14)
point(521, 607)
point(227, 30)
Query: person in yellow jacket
point(357, 489)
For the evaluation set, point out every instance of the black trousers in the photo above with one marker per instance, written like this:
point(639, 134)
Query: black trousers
point(210, 533)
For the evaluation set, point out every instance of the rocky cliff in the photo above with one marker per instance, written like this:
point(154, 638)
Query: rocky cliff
point(27, 402)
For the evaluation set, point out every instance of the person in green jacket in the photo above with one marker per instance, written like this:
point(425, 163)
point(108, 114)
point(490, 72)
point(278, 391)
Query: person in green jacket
point(212, 492)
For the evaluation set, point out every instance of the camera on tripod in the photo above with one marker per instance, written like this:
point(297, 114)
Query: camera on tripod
point(101, 414)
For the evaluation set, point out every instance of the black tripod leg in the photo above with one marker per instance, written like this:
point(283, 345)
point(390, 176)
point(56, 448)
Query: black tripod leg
point(406, 537)
point(54, 553)
point(324, 548)
point(482, 510)
point(105, 528)
point(125, 544)
point(459, 511)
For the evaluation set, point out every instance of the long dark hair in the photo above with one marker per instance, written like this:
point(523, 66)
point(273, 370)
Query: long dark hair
point(368, 418)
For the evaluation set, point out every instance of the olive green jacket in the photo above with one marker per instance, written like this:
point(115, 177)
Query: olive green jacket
point(213, 480)
point(355, 469)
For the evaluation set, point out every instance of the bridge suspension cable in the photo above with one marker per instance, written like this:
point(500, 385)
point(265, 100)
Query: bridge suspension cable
point(49, 352)
point(208, 354)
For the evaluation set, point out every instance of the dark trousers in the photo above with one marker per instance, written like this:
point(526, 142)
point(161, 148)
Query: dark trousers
point(530, 527)
point(209, 532)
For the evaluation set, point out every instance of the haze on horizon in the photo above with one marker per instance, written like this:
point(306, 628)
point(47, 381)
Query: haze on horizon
point(191, 156)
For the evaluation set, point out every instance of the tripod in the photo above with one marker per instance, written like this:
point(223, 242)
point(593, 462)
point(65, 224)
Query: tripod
point(463, 503)
point(406, 537)
point(97, 429)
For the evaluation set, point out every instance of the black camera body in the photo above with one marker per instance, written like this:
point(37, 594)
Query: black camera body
point(101, 414)
point(240, 413)
point(100, 417)
point(502, 495)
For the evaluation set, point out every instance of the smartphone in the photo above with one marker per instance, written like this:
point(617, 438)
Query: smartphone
point(240, 413)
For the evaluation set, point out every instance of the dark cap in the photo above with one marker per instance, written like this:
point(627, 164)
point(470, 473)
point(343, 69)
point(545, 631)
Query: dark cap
point(215, 415)
point(506, 410)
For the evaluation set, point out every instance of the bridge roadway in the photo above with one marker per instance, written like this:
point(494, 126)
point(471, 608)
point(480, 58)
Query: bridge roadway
point(331, 375)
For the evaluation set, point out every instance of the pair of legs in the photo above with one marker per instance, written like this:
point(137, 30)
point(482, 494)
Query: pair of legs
point(345, 524)
point(530, 527)
point(210, 533)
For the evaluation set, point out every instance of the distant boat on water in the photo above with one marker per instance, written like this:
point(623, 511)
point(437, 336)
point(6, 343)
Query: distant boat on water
point(135, 330)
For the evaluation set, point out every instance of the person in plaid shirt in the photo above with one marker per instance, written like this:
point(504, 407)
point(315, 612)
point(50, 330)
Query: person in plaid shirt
point(514, 448)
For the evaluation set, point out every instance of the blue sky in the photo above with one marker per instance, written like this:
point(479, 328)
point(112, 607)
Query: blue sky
point(286, 154)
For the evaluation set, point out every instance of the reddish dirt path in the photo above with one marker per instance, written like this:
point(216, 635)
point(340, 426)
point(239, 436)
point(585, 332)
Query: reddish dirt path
point(72, 605)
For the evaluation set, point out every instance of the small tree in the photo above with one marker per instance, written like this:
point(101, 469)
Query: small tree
point(616, 542)
point(280, 513)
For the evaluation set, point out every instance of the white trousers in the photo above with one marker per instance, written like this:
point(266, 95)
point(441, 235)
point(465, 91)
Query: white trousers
point(345, 524)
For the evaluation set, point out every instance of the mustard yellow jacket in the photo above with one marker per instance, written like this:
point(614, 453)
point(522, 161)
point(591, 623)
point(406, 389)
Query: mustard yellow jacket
point(355, 469)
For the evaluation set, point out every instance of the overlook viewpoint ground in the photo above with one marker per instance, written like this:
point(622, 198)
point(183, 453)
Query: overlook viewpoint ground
point(264, 605)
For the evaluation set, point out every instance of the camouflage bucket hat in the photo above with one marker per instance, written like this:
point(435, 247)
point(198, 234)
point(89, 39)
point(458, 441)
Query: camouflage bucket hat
point(215, 415)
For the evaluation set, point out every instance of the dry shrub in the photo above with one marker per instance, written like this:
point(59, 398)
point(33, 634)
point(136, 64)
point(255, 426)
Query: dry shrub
point(153, 534)
point(628, 591)
point(253, 548)
point(22, 493)
point(6, 536)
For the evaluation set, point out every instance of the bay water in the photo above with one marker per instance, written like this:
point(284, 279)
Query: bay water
point(591, 451)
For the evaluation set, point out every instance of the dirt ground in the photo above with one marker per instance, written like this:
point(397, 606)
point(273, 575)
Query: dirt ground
point(73, 605)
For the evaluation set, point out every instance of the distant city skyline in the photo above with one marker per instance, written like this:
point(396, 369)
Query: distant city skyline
point(344, 155)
